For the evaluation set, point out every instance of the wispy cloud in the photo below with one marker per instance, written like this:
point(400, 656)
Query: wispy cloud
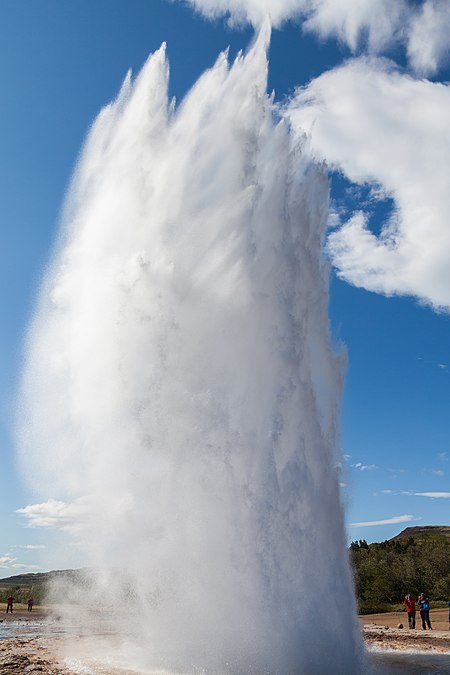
point(412, 493)
point(432, 495)
point(435, 364)
point(6, 560)
point(364, 467)
point(406, 518)
point(443, 456)
point(438, 472)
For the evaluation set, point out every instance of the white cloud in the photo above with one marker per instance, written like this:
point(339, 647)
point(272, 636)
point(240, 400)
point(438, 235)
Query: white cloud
point(433, 20)
point(53, 513)
point(6, 560)
point(350, 20)
point(375, 24)
point(443, 456)
point(251, 11)
point(386, 129)
point(437, 472)
point(364, 467)
point(387, 521)
point(411, 493)
point(432, 495)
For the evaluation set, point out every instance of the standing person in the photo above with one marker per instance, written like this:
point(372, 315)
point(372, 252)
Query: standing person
point(30, 604)
point(410, 604)
point(9, 605)
point(424, 605)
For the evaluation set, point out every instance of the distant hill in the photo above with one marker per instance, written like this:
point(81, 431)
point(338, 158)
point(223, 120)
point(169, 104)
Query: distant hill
point(39, 584)
point(72, 586)
point(39, 577)
point(424, 531)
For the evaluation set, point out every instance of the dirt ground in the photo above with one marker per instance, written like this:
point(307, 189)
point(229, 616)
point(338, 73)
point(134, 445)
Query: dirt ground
point(21, 612)
point(382, 630)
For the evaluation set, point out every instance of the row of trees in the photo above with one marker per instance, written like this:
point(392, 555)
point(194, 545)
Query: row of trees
point(384, 573)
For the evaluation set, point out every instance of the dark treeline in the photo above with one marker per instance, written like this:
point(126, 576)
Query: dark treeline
point(384, 573)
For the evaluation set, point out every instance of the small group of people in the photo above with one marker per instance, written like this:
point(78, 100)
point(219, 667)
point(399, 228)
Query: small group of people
point(424, 608)
point(10, 602)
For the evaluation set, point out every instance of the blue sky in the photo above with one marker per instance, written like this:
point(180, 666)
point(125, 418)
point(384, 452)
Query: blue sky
point(60, 63)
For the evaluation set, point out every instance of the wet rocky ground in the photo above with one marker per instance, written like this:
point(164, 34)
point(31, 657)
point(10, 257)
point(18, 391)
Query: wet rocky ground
point(29, 656)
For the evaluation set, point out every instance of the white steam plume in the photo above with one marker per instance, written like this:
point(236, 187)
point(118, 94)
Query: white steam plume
point(180, 384)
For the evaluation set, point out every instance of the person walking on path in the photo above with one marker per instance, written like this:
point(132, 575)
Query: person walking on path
point(424, 605)
point(410, 604)
point(9, 605)
point(30, 604)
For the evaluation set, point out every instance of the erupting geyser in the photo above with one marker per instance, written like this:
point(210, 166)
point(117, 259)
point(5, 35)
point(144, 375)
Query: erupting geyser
point(180, 388)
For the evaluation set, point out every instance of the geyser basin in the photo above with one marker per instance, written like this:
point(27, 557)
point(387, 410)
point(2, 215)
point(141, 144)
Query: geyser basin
point(180, 389)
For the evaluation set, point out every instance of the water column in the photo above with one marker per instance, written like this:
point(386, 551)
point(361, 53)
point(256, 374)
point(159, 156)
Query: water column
point(180, 390)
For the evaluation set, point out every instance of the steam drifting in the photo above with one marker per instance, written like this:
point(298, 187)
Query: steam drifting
point(180, 390)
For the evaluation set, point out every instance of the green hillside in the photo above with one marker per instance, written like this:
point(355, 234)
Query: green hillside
point(416, 560)
point(21, 586)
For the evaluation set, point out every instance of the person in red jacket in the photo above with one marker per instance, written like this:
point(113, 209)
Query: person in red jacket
point(9, 606)
point(410, 604)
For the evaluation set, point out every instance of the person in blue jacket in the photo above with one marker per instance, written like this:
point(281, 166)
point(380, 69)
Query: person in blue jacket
point(424, 605)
